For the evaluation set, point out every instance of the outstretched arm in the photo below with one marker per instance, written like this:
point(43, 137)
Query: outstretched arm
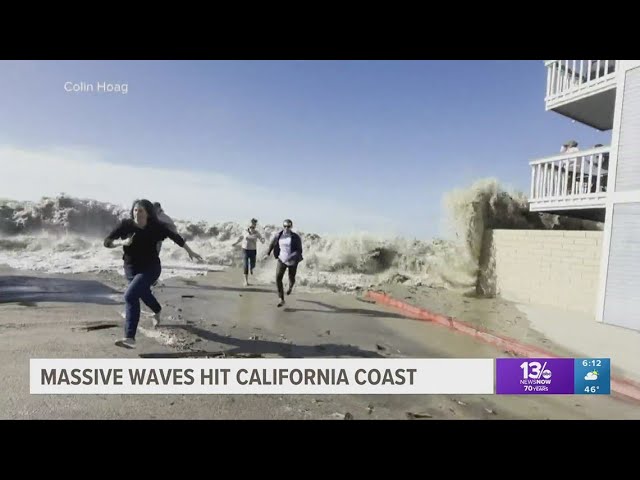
point(237, 241)
point(178, 240)
point(272, 245)
point(192, 254)
point(120, 232)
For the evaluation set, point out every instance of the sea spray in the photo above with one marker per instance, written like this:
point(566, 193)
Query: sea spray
point(64, 234)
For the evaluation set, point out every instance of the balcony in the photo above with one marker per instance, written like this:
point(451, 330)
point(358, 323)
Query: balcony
point(583, 90)
point(570, 182)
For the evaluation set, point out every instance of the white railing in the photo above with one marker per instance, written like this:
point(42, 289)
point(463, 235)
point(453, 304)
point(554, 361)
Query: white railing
point(568, 77)
point(570, 177)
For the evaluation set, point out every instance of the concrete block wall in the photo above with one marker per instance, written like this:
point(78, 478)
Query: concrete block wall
point(548, 267)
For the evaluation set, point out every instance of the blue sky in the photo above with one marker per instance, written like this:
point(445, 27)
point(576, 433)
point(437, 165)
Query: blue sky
point(338, 146)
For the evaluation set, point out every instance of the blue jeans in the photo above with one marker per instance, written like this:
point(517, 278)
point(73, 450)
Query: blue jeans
point(140, 281)
point(249, 260)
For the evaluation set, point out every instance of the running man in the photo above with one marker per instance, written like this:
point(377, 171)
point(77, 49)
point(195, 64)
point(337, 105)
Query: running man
point(287, 248)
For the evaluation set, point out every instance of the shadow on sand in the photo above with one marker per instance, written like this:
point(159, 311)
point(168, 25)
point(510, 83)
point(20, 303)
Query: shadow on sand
point(345, 311)
point(258, 348)
point(26, 291)
point(221, 288)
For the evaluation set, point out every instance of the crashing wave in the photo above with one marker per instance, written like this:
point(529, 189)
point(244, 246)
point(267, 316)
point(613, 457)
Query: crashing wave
point(64, 234)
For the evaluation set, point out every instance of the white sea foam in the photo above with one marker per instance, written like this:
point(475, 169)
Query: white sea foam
point(65, 234)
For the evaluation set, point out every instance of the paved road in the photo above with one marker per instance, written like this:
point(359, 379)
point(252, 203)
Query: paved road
point(40, 317)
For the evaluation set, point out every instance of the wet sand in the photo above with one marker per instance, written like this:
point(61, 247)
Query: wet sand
point(43, 316)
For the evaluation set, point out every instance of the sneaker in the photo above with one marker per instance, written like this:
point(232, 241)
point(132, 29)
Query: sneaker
point(281, 303)
point(142, 312)
point(289, 291)
point(126, 343)
point(155, 320)
point(246, 283)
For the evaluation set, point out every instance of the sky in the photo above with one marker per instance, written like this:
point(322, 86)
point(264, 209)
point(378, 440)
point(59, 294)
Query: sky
point(337, 146)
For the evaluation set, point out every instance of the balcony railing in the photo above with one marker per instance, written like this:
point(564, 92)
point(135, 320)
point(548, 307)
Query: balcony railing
point(577, 179)
point(569, 78)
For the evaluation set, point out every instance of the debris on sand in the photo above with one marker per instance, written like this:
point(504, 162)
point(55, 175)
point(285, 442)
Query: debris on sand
point(342, 416)
point(365, 300)
point(412, 416)
point(90, 328)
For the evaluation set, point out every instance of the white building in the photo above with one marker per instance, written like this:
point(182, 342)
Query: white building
point(600, 183)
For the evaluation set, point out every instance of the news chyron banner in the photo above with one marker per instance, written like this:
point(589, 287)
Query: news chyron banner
point(568, 376)
point(262, 376)
point(508, 376)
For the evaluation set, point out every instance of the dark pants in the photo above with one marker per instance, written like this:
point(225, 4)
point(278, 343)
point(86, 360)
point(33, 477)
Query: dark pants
point(140, 281)
point(249, 260)
point(280, 274)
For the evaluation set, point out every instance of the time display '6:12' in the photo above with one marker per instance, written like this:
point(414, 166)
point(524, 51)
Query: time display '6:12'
point(592, 363)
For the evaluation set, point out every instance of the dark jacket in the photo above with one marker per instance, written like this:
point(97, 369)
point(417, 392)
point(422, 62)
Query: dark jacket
point(143, 251)
point(296, 246)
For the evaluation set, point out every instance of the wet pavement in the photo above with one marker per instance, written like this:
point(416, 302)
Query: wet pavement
point(215, 316)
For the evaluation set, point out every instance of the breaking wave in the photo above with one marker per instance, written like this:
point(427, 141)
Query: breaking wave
point(64, 234)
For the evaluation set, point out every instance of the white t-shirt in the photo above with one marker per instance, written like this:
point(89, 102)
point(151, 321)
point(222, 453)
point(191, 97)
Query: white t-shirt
point(250, 240)
point(285, 248)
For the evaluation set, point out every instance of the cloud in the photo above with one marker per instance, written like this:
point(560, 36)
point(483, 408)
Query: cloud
point(591, 376)
point(31, 174)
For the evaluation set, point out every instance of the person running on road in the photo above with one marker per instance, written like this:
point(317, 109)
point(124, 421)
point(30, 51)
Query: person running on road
point(249, 248)
point(287, 248)
point(141, 234)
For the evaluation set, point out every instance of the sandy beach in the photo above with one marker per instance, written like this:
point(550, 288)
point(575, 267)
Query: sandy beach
point(213, 315)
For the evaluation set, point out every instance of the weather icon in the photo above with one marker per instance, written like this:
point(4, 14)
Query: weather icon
point(591, 375)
